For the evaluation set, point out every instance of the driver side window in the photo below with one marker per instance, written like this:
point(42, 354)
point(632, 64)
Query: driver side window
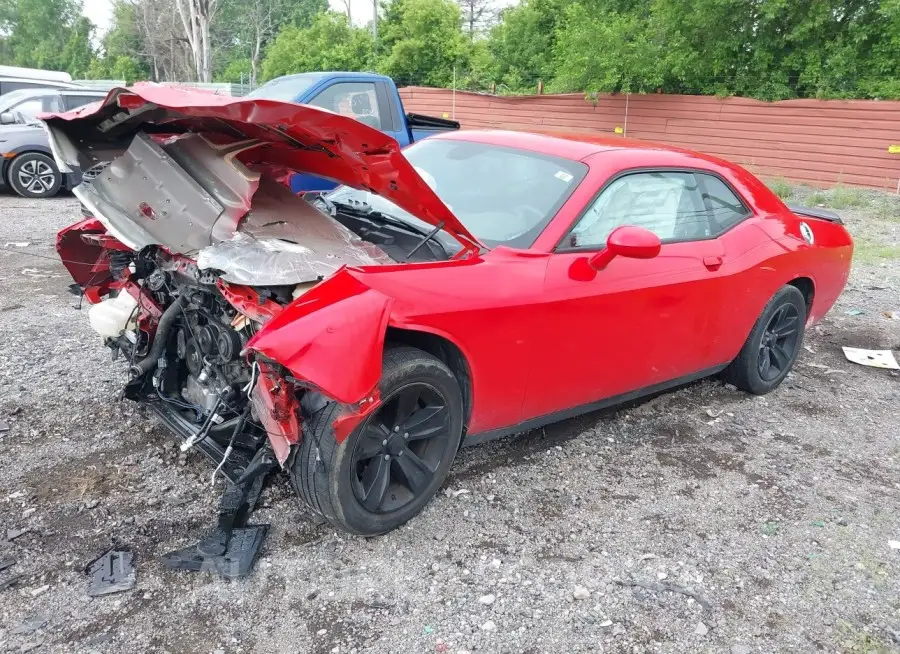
point(669, 204)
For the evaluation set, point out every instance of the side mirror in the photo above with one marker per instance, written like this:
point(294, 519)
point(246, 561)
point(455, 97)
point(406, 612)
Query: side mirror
point(7, 118)
point(627, 241)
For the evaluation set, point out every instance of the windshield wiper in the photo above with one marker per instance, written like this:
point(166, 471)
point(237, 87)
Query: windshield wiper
point(364, 210)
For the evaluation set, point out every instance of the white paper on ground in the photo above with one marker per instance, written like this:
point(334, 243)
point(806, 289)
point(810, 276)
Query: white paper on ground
point(873, 358)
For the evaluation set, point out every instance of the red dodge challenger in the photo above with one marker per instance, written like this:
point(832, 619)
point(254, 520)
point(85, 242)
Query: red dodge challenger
point(479, 284)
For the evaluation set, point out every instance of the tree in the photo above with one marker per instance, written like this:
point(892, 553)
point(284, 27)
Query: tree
point(50, 34)
point(606, 51)
point(421, 42)
point(330, 43)
point(477, 14)
point(522, 43)
point(196, 18)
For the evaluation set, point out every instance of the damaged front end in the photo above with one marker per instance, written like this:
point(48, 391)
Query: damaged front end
point(205, 273)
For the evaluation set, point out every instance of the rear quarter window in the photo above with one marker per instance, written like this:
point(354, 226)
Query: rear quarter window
point(725, 207)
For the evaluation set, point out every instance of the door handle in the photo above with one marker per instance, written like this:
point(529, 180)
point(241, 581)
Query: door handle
point(712, 263)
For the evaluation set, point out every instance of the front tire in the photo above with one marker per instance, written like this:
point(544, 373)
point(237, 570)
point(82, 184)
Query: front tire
point(772, 347)
point(393, 463)
point(34, 175)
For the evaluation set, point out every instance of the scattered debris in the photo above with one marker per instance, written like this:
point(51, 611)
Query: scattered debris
point(606, 623)
point(28, 512)
point(489, 626)
point(427, 629)
point(30, 625)
point(672, 588)
point(892, 315)
point(894, 544)
point(701, 629)
point(809, 349)
point(487, 600)
point(714, 414)
point(495, 564)
point(12, 534)
point(854, 312)
point(40, 591)
point(455, 493)
point(740, 649)
point(6, 563)
point(16, 244)
point(10, 582)
point(873, 358)
point(581, 593)
point(111, 572)
point(4, 426)
point(828, 370)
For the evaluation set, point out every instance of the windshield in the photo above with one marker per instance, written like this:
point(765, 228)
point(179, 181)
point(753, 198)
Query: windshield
point(286, 89)
point(502, 195)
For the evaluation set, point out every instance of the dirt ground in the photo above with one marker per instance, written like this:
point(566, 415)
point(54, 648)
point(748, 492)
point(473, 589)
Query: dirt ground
point(704, 520)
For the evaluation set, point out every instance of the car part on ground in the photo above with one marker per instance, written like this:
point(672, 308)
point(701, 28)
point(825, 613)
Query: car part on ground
point(111, 572)
point(354, 344)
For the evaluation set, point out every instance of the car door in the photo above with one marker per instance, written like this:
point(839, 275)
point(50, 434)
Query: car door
point(638, 323)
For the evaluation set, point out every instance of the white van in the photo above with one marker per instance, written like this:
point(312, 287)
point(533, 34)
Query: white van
point(13, 78)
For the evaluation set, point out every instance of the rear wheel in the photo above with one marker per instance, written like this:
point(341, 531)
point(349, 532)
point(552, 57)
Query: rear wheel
point(393, 463)
point(771, 349)
point(34, 175)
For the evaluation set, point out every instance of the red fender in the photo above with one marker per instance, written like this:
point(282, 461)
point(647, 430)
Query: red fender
point(331, 337)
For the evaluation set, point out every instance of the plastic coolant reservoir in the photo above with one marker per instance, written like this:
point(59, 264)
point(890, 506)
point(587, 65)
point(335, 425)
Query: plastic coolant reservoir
point(111, 317)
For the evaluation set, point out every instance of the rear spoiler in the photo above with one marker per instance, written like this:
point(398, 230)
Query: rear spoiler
point(815, 212)
point(418, 121)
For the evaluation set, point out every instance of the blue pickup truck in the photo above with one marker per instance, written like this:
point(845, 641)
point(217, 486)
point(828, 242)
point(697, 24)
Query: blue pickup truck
point(369, 98)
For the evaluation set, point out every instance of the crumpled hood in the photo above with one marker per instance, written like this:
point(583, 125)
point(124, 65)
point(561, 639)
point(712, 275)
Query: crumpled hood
point(295, 138)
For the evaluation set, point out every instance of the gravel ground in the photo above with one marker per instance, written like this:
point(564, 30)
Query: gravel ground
point(701, 520)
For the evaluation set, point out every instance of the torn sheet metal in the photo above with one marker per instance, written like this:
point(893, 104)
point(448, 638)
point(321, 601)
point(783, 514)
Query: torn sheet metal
point(872, 358)
point(300, 138)
point(111, 572)
point(184, 193)
point(284, 240)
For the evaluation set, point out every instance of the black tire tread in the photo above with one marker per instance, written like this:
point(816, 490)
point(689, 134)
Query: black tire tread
point(741, 371)
point(313, 480)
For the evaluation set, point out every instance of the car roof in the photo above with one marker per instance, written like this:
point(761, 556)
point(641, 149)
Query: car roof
point(576, 146)
point(98, 93)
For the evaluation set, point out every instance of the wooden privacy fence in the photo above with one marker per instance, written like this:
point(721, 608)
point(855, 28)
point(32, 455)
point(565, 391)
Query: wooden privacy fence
point(821, 142)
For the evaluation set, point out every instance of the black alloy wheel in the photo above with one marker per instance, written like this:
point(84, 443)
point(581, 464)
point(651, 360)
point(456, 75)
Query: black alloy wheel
point(779, 343)
point(771, 348)
point(390, 466)
point(400, 448)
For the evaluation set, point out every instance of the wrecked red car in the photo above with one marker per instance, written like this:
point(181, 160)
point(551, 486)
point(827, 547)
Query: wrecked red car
point(477, 285)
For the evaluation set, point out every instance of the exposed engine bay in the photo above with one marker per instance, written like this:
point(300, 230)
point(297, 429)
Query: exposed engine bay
point(202, 250)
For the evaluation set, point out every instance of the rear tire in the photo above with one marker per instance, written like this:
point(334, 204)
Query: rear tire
point(393, 463)
point(34, 175)
point(771, 349)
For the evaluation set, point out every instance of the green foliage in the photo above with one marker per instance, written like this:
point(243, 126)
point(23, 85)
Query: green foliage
point(610, 51)
point(522, 44)
point(845, 197)
point(781, 187)
point(237, 71)
point(422, 42)
point(329, 43)
point(50, 34)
